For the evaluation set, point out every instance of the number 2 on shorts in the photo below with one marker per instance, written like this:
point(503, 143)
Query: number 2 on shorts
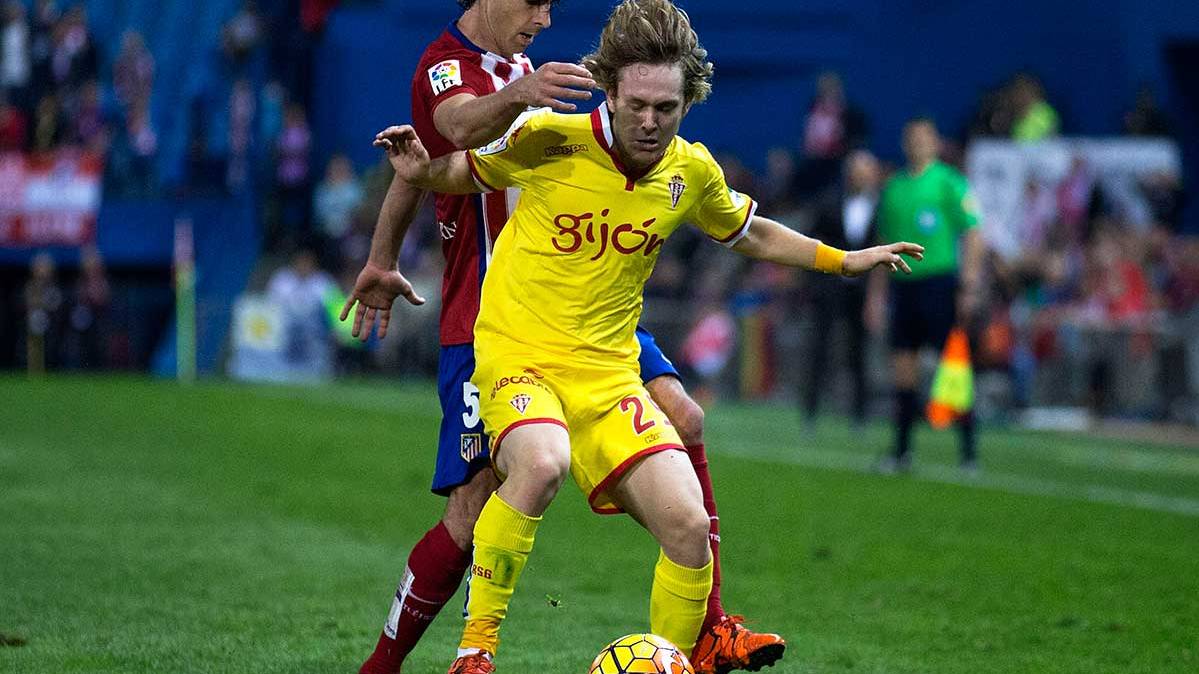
point(639, 425)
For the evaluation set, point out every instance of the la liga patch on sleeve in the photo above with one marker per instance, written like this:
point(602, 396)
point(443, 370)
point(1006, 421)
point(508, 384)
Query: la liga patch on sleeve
point(445, 76)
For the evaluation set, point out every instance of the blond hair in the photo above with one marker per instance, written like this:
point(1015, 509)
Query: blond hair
point(653, 32)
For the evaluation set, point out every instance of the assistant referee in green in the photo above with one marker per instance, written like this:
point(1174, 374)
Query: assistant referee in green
point(929, 203)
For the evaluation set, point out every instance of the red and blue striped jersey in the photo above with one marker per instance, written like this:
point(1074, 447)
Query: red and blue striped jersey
point(469, 224)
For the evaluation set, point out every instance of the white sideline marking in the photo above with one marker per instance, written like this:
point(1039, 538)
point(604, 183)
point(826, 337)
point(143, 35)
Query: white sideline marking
point(1123, 460)
point(1020, 484)
point(1127, 460)
point(1006, 482)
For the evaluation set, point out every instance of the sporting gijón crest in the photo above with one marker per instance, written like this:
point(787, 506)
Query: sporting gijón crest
point(521, 401)
point(676, 190)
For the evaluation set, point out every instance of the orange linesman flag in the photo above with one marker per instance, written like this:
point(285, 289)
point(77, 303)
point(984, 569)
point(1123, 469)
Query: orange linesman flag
point(953, 384)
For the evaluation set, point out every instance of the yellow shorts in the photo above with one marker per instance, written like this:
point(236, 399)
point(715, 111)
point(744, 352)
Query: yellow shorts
point(611, 419)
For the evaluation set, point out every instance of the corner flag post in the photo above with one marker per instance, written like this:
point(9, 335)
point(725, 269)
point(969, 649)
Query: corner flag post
point(185, 302)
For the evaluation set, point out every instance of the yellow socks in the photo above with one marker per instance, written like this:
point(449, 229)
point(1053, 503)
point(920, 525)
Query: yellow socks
point(679, 602)
point(503, 540)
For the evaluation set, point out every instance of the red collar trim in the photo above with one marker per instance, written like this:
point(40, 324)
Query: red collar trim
point(602, 128)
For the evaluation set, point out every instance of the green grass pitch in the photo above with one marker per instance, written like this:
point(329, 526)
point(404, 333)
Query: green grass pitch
point(148, 527)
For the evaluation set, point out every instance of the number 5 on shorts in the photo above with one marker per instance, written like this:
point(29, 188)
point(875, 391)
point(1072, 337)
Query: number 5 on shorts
point(470, 398)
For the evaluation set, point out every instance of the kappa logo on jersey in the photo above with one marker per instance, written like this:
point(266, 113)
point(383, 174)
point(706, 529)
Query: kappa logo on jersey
point(444, 76)
point(521, 402)
point(565, 150)
point(472, 446)
point(448, 229)
point(676, 190)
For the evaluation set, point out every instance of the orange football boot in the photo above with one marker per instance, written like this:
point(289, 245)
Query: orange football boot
point(728, 645)
point(475, 663)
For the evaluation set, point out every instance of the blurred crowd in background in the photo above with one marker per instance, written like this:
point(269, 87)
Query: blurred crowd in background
point(63, 93)
point(248, 128)
point(50, 91)
point(1092, 309)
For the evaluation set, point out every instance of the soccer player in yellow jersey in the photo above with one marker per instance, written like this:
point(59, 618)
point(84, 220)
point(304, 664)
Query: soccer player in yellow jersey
point(554, 341)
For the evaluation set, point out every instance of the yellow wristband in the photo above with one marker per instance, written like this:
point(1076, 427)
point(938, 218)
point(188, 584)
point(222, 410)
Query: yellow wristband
point(828, 259)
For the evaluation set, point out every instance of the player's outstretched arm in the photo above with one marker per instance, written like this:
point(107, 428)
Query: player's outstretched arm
point(470, 121)
point(380, 281)
point(448, 174)
point(774, 242)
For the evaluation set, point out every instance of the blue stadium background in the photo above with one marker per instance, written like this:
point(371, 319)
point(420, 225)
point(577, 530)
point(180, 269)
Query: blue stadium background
point(898, 58)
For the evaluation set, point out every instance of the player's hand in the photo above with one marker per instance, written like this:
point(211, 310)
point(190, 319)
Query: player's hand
point(861, 261)
point(553, 85)
point(406, 153)
point(374, 292)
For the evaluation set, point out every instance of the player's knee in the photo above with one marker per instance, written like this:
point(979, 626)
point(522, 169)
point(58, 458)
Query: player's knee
point(547, 470)
point(686, 536)
point(698, 527)
point(689, 422)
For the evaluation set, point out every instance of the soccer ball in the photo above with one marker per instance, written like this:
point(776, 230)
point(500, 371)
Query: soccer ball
point(641, 654)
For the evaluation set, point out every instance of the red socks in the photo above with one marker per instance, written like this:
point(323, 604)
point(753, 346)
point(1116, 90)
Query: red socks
point(699, 461)
point(435, 569)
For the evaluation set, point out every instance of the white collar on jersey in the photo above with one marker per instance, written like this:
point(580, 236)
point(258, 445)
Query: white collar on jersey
point(605, 124)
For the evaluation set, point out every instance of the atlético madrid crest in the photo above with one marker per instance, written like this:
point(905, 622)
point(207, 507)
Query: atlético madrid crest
point(472, 444)
point(676, 189)
point(521, 402)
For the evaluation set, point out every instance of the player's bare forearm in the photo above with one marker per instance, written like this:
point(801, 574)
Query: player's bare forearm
point(448, 174)
point(473, 121)
point(380, 281)
point(470, 121)
point(772, 241)
point(398, 211)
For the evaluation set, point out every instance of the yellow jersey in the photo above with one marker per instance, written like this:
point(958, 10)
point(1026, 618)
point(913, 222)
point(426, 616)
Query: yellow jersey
point(568, 270)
